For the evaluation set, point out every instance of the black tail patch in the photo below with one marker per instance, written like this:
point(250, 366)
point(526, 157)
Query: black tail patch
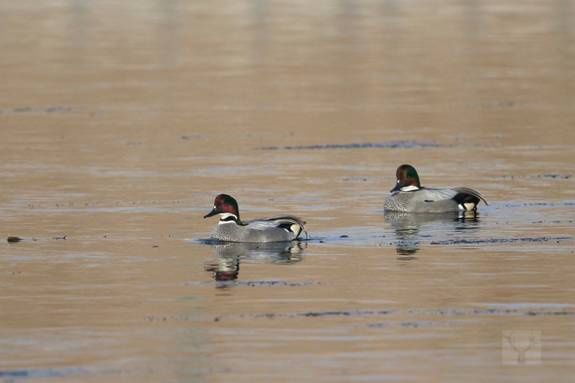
point(467, 195)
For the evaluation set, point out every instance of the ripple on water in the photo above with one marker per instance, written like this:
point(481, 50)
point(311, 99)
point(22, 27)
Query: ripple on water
point(496, 310)
point(24, 374)
point(402, 144)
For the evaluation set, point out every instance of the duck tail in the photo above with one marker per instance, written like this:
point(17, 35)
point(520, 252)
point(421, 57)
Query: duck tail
point(468, 198)
point(292, 224)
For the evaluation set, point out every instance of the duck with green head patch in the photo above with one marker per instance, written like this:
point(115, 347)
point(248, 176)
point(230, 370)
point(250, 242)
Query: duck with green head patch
point(409, 196)
point(232, 229)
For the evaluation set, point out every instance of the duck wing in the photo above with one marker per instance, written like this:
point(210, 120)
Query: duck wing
point(434, 195)
point(287, 219)
point(289, 223)
point(460, 195)
point(266, 223)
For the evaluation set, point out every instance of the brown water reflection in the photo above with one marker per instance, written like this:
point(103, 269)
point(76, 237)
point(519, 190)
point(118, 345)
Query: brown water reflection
point(120, 121)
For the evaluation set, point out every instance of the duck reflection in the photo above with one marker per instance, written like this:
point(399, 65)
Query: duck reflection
point(225, 263)
point(410, 229)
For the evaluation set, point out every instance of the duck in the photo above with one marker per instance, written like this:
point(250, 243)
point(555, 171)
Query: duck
point(231, 228)
point(409, 196)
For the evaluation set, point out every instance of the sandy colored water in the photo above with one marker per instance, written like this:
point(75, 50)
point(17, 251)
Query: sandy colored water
point(120, 122)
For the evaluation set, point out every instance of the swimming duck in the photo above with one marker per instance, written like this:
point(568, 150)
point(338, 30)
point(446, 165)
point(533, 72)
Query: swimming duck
point(409, 196)
point(231, 228)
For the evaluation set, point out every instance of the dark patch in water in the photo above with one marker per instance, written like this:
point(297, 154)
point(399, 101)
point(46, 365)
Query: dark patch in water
point(324, 314)
point(554, 176)
point(44, 110)
point(555, 222)
point(409, 324)
point(11, 375)
point(13, 239)
point(271, 283)
point(404, 144)
point(14, 374)
point(354, 179)
point(538, 176)
point(263, 283)
point(454, 312)
point(441, 312)
point(539, 204)
point(498, 240)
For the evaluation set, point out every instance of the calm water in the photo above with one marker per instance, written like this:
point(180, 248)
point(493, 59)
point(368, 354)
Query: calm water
point(120, 122)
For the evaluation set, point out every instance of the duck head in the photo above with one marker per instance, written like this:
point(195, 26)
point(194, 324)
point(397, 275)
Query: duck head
point(227, 206)
point(407, 179)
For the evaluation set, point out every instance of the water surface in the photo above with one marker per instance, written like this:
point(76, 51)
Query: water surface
point(119, 123)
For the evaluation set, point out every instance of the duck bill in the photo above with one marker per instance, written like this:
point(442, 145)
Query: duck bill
point(211, 213)
point(397, 187)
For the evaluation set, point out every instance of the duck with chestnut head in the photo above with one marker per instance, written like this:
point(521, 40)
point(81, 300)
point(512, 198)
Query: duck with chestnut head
point(409, 196)
point(231, 228)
